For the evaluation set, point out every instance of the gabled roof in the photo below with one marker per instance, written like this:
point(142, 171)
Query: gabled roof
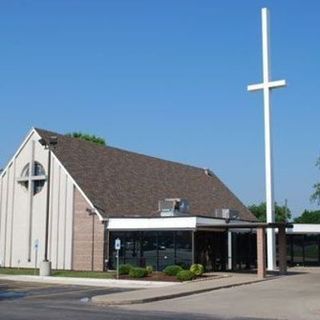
point(125, 184)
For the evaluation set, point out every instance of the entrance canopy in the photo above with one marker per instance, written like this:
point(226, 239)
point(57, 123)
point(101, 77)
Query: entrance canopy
point(187, 223)
point(250, 225)
point(260, 228)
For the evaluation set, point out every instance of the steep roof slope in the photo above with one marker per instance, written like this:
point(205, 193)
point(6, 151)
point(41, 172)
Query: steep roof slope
point(125, 184)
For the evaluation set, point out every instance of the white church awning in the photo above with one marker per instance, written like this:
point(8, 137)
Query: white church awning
point(164, 223)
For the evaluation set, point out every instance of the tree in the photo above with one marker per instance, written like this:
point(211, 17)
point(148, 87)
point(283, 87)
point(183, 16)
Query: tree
point(308, 217)
point(87, 137)
point(282, 213)
point(316, 195)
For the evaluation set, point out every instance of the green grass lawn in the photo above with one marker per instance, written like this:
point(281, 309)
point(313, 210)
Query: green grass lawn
point(84, 274)
point(18, 271)
point(59, 273)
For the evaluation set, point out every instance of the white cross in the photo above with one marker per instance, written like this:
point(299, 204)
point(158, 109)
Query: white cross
point(267, 85)
point(31, 178)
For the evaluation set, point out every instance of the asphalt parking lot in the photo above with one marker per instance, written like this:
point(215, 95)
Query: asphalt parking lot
point(12, 290)
point(37, 301)
point(294, 297)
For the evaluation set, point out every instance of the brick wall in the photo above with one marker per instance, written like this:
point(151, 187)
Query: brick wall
point(88, 237)
point(261, 252)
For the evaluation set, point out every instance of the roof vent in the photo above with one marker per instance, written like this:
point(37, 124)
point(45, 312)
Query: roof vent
point(227, 214)
point(208, 172)
point(173, 207)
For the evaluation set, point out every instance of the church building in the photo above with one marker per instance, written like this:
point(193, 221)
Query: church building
point(163, 212)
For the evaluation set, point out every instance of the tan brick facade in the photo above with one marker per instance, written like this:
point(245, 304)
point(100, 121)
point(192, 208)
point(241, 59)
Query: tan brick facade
point(88, 237)
point(261, 252)
point(282, 245)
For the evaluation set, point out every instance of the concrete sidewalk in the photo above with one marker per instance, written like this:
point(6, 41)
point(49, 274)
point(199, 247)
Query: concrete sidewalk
point(178, 290)
point(106, 283)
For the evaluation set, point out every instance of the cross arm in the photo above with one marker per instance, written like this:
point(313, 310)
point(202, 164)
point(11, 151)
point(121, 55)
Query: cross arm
point(268, 85)
point(32, 178)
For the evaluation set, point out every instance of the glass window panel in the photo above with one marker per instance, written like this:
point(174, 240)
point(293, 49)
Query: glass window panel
point(132, 248)
point(289, 244)
point(166, 249)
point(244, 250)
point(149, 249)
point(183, 242)
point(297, 247)
point(38, 169)
point(38, 185)
point(311, 249)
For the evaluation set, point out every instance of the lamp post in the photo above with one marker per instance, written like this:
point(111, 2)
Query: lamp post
point(45, 265)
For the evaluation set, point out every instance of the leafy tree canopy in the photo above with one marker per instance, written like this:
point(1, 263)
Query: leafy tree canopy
point(308, 217)
point(315, 197)
point(282, 213)
point(87, 137)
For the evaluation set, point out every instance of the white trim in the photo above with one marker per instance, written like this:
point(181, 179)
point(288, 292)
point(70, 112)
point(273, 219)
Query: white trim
point(171, 223)
point(201, 221)
point(80, 190)
point(304, 228)
point(18, 151)
point(151, 223)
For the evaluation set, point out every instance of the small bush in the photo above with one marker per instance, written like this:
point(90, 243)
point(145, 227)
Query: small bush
point(172, 270)
point(185, 275)
point(197, 269)
point(149, 269)
point(138, 273)
point(125, 268)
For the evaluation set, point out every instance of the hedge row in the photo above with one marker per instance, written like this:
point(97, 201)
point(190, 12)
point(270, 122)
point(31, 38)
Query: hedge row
point(195, 270)
point(134, 272)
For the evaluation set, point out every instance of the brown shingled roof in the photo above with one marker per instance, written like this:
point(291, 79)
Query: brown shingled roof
point(125, 184)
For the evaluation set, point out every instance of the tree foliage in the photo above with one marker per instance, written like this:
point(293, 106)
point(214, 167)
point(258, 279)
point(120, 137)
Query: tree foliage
point(308, 217)
point(315, 197)
point(282, 213)
point(88, 137)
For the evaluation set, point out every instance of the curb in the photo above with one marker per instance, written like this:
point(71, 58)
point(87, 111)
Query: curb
point(99, 300)
point(88, 282)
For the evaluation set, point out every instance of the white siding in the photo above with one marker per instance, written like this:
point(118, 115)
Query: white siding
point(3, 225)
point(15, 212)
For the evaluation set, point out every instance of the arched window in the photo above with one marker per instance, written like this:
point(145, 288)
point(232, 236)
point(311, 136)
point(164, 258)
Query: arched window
point(37, 178)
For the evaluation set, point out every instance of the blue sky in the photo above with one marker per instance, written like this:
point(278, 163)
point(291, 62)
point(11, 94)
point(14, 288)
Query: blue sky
point(168, 79)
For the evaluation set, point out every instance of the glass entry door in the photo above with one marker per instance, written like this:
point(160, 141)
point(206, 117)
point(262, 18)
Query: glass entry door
point(211, 250)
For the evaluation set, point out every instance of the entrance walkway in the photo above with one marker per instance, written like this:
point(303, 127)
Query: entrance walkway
point(292, 297)
point(179, 290)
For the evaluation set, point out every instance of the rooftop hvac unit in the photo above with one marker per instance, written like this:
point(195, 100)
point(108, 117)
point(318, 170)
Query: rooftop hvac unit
point(173, 207)
point(227, 214)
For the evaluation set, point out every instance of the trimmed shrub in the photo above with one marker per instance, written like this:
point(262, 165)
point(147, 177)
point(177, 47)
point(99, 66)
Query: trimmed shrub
point(138, 273)
point(125, 268)
point(172, 270)
point(149, 269)
point(185, 275)
point(197, 269)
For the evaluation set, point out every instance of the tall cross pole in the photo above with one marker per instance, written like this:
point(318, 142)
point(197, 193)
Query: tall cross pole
point(267, 85)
